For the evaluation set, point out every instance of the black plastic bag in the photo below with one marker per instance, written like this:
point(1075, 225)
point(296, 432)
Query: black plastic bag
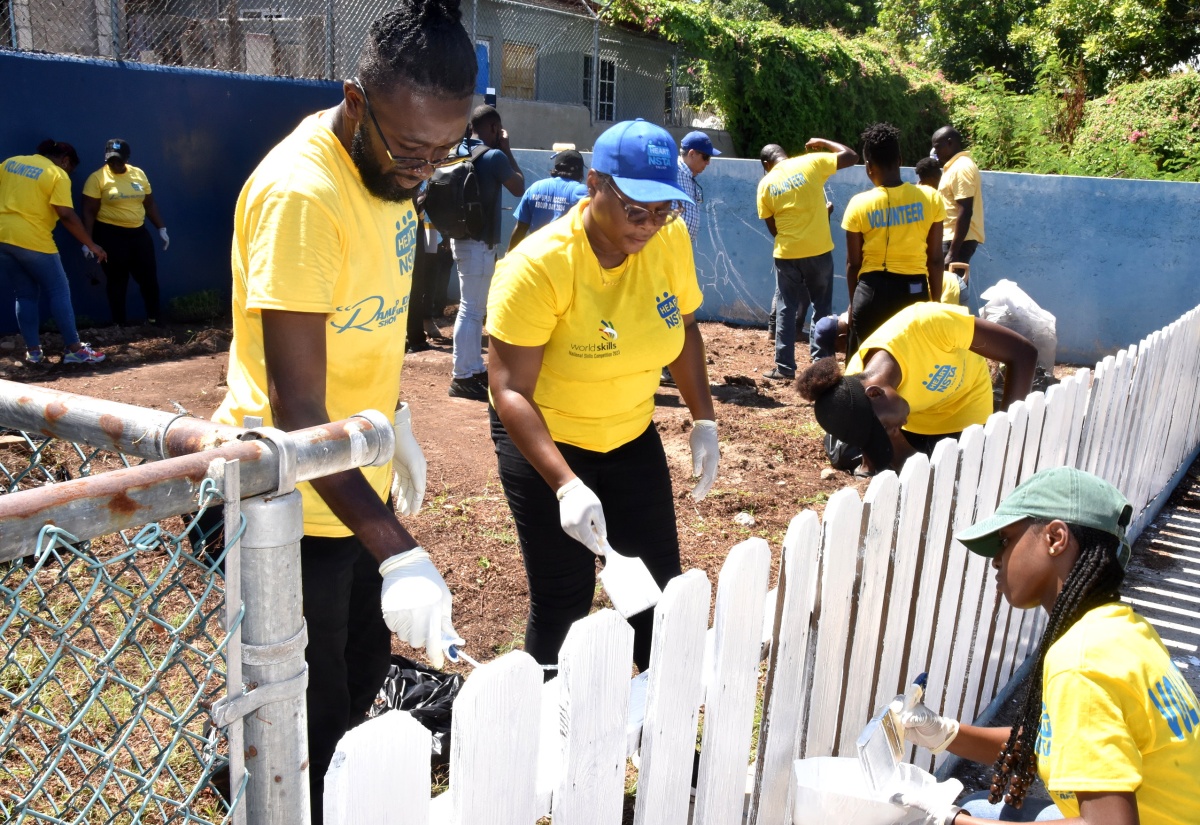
point(425, 693)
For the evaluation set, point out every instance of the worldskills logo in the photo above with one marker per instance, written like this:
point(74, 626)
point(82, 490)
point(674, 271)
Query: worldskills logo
point(607, 332)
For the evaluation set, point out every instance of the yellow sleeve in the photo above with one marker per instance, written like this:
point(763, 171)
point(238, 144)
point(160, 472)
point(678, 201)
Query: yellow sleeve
point(852, 218)
point(937, 206)
point(294, 255)
point(946, 327)
point(765, 209)
point(963, 185)
point(522, 309)
point(60, 195)
point(1090, 747)
point(146, 183)
point(824, 166)
point(91, 187)
point(685, 283)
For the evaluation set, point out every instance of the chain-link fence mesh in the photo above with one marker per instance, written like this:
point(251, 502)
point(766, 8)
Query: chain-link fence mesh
point(555, 51)
point(113, 652)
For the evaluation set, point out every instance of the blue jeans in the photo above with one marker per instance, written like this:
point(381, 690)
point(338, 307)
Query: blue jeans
point(1034, 810)
point(799, 282)
point(32, 274)
point(476, 263)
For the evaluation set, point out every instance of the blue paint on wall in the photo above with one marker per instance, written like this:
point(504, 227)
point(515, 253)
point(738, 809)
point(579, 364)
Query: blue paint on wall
point(197, 134)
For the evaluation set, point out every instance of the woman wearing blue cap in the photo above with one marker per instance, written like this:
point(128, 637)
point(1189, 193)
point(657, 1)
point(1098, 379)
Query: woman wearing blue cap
point(1107, 721)
point(582, 317)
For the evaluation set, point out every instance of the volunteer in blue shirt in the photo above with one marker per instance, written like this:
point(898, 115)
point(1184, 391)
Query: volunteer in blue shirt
point(549, 198)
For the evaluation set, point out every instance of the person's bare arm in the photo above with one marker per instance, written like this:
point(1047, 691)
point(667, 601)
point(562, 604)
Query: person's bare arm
point(933, 260)
point(962, 225)
point(90, 207)
point(845, 155)
point(690, 372)
point(516, 181)
point(770, 222)
point(1094, 809)
point(151, 206)
point(518, 234)
point(1017, 354)
point(72, 224)
point(296, 389)
point(512, 377)
point(982, 745)
point(854, 253)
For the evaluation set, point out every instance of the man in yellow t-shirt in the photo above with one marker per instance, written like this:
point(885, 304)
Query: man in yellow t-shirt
point(791, 200)
point(324, 237)
point(962, 191)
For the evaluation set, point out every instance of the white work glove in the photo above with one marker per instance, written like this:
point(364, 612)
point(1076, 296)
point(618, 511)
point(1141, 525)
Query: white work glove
point(935, 814)
point(162, 233)
point(924, 727)
point(582, 516)
point(416, 604)
point(87, 253)
point(705, 455)
point(408, 464)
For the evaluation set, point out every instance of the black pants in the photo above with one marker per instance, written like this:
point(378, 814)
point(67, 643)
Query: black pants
point(926, 443)
point(440, 265)
point(877, 297)
point(634, 484)
point(349, 645)
point(418, 299)
point(130, 252)
point(966, 249)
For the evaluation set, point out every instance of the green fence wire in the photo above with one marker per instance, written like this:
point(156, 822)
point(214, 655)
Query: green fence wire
point(113, 652)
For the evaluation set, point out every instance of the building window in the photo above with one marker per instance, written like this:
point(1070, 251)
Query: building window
point(607, 108)
point(519, 74)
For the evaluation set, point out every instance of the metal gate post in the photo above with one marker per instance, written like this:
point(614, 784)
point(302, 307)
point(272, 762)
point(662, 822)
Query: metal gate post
point(273, 642)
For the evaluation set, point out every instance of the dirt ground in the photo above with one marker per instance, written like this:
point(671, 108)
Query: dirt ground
point(770, 468)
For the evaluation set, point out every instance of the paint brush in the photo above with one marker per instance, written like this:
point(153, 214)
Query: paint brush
point(628, 582)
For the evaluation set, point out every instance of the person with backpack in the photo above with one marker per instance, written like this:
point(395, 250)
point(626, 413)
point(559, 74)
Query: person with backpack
point(547, 199)
point(495, 169)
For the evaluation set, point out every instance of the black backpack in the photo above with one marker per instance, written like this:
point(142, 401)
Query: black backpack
point(452, 201)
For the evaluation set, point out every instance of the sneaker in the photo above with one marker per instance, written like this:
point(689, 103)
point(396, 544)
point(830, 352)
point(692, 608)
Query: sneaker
point(775, 375)
point(83, 355)
point(34, 356)
point(468, 388)
point(665, 379)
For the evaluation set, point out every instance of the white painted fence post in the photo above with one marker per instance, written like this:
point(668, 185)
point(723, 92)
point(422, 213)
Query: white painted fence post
point(729, 701)
point(380, 773)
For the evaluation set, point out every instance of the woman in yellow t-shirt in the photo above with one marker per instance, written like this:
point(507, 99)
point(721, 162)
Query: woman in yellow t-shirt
point(117, 200)
point(1106, 719)
point(893, 239)
point(35, 194)
point(582, 317)
point(920, 378)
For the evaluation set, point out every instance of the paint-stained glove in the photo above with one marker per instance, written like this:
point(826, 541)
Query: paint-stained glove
point(408, 463)
point(416, 604)
point(582, 516)
point(166, 239)
point(922, 726)
point(705, 455)
point(935, 814)
point(88, 255)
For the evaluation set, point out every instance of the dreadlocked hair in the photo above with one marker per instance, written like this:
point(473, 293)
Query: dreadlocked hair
point(421, 42)
point(881, 144)
point(1095, 580)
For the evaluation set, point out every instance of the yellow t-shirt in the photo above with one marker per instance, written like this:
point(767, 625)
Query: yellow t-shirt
point(793, 193)
point(121, 196)
point(607, 333)
point(960, 180)
point(30, 187)
point(947, 387)
point(894, 223)
point(307, 237)
point(1117, 716)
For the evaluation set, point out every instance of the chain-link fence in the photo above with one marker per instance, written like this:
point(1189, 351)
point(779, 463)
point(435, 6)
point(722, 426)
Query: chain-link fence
point(554, 51)
point(113, 653)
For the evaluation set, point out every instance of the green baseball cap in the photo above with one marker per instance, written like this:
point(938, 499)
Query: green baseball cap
point(1062, 493)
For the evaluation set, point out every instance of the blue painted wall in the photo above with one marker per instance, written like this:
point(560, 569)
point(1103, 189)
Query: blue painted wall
point(197, 134)
point(1113, 260)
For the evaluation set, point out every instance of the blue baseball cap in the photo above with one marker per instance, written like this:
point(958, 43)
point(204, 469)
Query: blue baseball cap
point(699, 142)
point(640, 158)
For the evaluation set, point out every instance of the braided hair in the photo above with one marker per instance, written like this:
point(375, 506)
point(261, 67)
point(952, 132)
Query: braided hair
point(881, 144)
point(423, 43)
point(1095, 580)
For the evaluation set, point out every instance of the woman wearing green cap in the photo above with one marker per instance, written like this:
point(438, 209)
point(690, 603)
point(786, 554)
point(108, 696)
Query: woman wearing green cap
point(583, 316)
point(1107, 721)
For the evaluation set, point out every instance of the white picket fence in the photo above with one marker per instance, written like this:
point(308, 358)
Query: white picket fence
point(869, 596)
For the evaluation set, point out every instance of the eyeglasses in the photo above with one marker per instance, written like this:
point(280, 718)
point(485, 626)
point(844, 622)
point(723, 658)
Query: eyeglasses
point(399, 161)
point(705, 158)
point(639, 215)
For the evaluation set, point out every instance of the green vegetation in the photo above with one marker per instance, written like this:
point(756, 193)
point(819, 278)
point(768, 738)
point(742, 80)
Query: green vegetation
point(197, 307)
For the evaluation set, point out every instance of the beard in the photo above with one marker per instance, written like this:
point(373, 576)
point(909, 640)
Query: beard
point(376, 180)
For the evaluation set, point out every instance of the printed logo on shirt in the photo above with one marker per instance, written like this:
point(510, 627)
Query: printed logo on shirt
point(941, 378)
point(606, 347)
point(23, 169)
point(406, 243)
point(896, 215)
point(606, 331)
point(787, 184)
point(1042, 746)
point(668, 310)
point(370, 314)
point(1176, 702)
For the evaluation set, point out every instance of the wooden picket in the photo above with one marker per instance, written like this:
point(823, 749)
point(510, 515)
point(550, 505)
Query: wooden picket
point(868, 597)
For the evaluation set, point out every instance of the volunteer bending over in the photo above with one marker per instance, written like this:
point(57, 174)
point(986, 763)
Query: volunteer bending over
point(920, 378)
point(1107, 721)
point(583, 316)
